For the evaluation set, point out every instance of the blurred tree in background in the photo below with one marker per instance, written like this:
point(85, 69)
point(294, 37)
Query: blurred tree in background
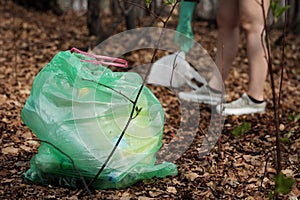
point(42, 5)
point(133, 10)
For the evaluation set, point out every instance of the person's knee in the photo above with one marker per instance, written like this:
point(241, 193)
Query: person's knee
point(249, 24)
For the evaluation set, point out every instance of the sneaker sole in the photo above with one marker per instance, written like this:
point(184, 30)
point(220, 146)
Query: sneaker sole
point(243, 111)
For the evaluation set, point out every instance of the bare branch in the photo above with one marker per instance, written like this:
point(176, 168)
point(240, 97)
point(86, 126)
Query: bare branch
point(70, 158)
point(153, 14)
point(131, 117)
point(119, 92)
point(275, 106)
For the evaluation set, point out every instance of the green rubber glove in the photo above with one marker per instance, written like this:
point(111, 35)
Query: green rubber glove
point(186, 39)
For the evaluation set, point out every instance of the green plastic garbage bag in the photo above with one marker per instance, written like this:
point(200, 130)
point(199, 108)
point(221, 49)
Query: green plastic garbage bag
point(80, 109)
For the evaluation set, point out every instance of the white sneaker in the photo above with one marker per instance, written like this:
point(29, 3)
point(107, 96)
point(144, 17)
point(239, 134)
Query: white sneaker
point(241, 106)
point(202, 95)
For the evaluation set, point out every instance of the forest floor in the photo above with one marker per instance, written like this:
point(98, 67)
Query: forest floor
point(238, 167)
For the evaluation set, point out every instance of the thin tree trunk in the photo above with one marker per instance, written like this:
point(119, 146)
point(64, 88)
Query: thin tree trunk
point(130, 15)
point(294, 16)
point(93, 18)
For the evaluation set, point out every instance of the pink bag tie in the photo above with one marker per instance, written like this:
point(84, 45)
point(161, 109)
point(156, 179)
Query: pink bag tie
point(103, 60)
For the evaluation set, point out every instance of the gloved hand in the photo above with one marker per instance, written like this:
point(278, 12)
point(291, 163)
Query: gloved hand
point(184, 35)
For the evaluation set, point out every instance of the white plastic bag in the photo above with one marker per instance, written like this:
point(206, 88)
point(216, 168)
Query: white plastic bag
point(174, 71)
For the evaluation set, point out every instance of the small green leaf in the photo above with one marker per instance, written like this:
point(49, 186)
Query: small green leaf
point(289, 134)
point(277, 10)
point(169, 2)
point(241, 129)
point(283, 184)
point(148, 2)
point(137, 110)
point(285, 140)
point(291, 117)
point(294, 118)
point(297, 117)
point(271, 195)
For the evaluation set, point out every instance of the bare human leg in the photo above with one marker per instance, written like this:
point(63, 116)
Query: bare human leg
point(252, 22)
point(228, 39)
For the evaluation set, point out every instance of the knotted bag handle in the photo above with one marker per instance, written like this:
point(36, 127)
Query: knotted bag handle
point(103, 60)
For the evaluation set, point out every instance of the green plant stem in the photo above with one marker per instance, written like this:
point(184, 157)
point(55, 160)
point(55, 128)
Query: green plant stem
point(274, 99)
point(275, 103)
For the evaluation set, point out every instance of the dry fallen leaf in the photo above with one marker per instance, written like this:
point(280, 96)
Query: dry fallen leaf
point(155, 193)
point(144, 198)
point(288, 172)
point(26, 148)
point(10, 150)
point(4, 173)
point(191, 176)
point(3, 98)
point(176, 182)
point(171, 190)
